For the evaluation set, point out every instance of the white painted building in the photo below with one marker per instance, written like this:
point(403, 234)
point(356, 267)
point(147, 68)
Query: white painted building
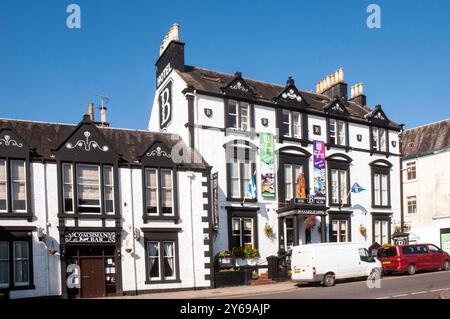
point(140, 221)
point(218, 112)
point(426, 183)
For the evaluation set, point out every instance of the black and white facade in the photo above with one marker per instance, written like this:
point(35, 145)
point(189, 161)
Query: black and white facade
point(222, 115)
point(88, 210)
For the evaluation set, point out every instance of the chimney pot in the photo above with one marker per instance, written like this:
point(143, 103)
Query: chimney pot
point(103, 119)
point(91, 111)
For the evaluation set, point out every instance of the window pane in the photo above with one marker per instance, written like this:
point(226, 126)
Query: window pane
point(166, 191)
point(151, 196)
point(376, 189)
point(244, 112)
point(232, 114)
point(382, 140)
point(153, 259)
point(108, 189)
point(68, 187)
point(343, 231)
point(377, 231)
point(334, 231)
point(343, 186)
point(288, 181)
point(3, 187)
point(18, 186)
point(88, 182)
point(375, 138)
point(384, 197)
point(384, 232)
point(332, 131)
point(246, 174)
point(235, 180)
point(341, 133)
point(286, 123)
point(296, 124)
point(169, 259)
point(21, 263)
point(334, 187)
point(4, 264)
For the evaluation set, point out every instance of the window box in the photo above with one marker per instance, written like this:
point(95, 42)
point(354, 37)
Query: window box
point(233, 278)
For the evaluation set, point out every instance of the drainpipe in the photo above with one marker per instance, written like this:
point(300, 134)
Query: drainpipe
point(47, 229)
point(400, 135)
point(196, 121)
point(191, 178)
point(132, 231)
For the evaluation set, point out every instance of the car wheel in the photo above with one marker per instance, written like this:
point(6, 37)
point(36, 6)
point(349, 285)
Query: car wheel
point(328, 280)
point(411, 269)
point(446, 265)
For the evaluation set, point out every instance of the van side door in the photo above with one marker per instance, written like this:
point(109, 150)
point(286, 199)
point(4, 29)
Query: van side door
point(436, 256)
point(423, 257)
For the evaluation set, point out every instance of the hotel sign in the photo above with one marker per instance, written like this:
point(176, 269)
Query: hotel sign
point(90, 237)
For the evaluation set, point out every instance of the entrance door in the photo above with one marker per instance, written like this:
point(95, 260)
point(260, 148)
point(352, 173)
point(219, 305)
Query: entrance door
point(92, 278)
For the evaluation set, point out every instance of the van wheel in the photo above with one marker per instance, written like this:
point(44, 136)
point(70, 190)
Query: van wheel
point(328, 280)
point(446, 266)
point(411, 269)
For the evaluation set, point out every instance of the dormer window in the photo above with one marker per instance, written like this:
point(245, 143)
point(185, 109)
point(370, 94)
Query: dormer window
point(291, 124)
point(238, 115)
point(337, 132)
point(15, 187)
point(379, 139)
point(159, 191)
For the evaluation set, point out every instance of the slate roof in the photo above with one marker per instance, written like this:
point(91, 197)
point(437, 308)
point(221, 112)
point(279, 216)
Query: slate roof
point(45, 137)
point(426, 139)
point(212, 81)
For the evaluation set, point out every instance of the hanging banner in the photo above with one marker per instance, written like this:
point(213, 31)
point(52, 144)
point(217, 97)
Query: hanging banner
point(319, 172)
point(267, 164)
point(215, 200)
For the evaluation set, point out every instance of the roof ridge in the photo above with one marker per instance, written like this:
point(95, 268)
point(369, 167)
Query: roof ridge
point(429, 124)
point(40, 122)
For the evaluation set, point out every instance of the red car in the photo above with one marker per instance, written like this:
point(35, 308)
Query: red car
point(411, 258)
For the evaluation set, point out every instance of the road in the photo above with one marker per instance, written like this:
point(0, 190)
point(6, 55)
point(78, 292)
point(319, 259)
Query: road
point(426, 285)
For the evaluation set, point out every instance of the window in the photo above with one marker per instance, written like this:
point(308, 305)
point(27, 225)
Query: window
point(339, 187)
point(339, 231)
point(242, 231)
point(68, 187)
point(433, 249)
point(381, 230)
point(4, 264)
point(88, 188)
point(380, 189)
point(291, 174)
point(108, 189)
point(238, 115)
point(379, 139)
point(18, 186)
point(336, 132)
point(291, 124)
point(240, 175)
point(411, 171)
point(289, 232)
point(15, 272)
point(412, 204)
point(161, 260)
point(3, 187)
point(159, 198)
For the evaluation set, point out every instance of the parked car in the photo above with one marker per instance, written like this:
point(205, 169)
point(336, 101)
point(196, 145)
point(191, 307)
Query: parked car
point(412, 258)
point(328, 262)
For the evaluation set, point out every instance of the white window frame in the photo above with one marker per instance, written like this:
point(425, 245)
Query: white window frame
point(379, 139)
point(292, 123)
point(5, 182)
point(6, 285)
point(158, 262)
point(174, 256)
point(238, 115)
point(339, 188)
point(150, 188)
point(241, 180)
point(11, 164)
point(381, 194)
point(338, 133)
point(107, 186)
point(241, 221)
point(71, 184)
point(339, 223)
point(411, 204)
point(99, 188)
point(16, 283)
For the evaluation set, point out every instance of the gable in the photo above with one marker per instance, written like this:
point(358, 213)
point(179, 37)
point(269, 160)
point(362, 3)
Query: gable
point(158, 154)
point(337, 107)
point(12, 144)
point(378, 117)
point(290, 96)
point(238, 87)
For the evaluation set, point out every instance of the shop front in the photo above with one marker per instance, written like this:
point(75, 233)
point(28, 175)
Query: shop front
point(91, 263)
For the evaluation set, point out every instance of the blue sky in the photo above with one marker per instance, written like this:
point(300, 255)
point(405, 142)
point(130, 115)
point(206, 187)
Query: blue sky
point(49, 72)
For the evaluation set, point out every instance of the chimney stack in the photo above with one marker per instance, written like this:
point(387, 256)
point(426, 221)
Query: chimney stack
point(91, 111)
point(357, 94)
point(103, 120)
point(333, 85)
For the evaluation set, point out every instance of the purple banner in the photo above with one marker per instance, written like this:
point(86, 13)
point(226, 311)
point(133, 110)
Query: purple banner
point(319, 172)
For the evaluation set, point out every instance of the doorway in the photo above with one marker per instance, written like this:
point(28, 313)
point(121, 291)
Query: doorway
point(92, 277)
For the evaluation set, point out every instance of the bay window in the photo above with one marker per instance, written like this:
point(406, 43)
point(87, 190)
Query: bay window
point(291, 174)
point(13, 186)
point(159, 197)
point(291, 124)
point(238, 115)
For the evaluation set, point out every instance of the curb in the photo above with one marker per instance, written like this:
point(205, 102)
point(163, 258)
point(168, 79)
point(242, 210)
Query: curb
point(249, 294)
point(445, 294)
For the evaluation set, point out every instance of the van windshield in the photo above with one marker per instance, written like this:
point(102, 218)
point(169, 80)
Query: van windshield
point(387, 252)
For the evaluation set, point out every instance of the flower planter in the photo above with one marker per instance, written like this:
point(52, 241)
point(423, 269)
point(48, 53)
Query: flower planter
point(232, 278)
point(244, 262)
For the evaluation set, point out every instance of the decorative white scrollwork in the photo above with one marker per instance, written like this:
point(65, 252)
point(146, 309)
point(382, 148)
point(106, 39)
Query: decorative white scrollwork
point(337, 107)
point(158, 152)
point(7, 141)
point(238, 86)
point(87, 145)
point(379, 116)
point(291, 95)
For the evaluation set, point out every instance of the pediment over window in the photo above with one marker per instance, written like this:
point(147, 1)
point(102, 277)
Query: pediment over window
point(238, 87)
point(337, 107)
point(12, 144)
point(290, 96)
point(87, 143)
point(293, 151)
point(339, 157)
point(158, 154)
point(381, 163)
point(377, 116)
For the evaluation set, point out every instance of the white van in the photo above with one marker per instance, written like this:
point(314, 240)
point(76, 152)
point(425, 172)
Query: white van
point(330, 261)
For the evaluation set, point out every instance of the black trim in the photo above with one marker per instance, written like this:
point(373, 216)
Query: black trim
point(381, 217)
point(244, 212)
point(341, 215)
point(334, 162)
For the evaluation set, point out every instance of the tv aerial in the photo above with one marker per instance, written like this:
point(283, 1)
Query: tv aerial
point(104, 99)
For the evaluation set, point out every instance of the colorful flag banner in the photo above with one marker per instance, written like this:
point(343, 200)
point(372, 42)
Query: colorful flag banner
point(267, 164)
point(319, 172)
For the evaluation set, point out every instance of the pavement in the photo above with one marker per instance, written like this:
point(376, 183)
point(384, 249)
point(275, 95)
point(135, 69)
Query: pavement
point(427, 285)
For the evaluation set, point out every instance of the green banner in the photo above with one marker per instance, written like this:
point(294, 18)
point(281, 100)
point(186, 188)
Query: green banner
point(267, 164)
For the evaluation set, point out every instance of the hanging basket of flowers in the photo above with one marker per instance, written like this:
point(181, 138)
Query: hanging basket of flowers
point(363, 230)
point(310, 222)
